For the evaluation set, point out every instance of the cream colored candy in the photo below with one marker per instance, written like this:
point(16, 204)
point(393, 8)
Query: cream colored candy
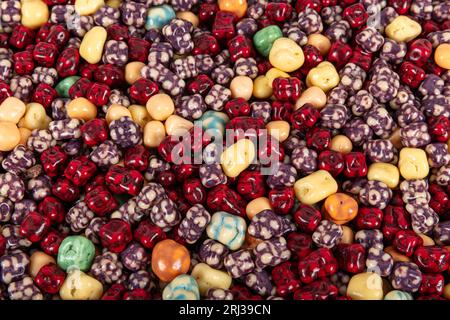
point(24, 135)
point(113, 3)
point(279, 129)
point(413, 163)
point(256, 206)
point(133, 71)
point(160, 106)
point(341, 143)
point(139, 114)
point(79, 286)
point(12, 110)
point(261, 88)
point(313, 95)
point(348, 235)
point(403, 29)
point(315, 187)
point(324, 76)
point(34, 118)
point(286, 55)
point(208, 278)
point(35, 13)
point(88, 7)
point(176, 125)
point(9, 136)
point(39, 259)
point(427, 241)
point(91, 47)
point(442, 55)
point(384, 172)
point(274, 73)
point(116, 111)
point(237, 157)
point(321, 42)
point(154, 133)
point(188, 16)
point(365, 286)
point(82, 109)
point(241, 87)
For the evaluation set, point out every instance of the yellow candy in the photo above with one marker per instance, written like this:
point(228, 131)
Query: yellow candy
point(384, 172)
point(341, 143)
point(91, 48)
point(24, 135)
point(208, 278)
point(321, 42)
point(154, 133)
point(9, 136)
point(116, 111)
point(286, 55)
point(413, 163)
point(80, 286)
point(139, 114)
point(427, 241)
point(279, 129)
point(313, 95)
point(176, 125)
point(403, 29)
point(365, 286)
point(133, 71)
point(348, 236)
point(274, 73)
point(160, 106)
point(237, 157)
point(35, 13)
point(189, 16)
point(256, 206)
point(323, 76)
point(238, 7)
point(81, 108)
point(12, 110)
point(446, 291)
point(241, 87)
point(88, 7)
point(442, 56)
point(113, 3)
point(315, 187)
point(261, 88)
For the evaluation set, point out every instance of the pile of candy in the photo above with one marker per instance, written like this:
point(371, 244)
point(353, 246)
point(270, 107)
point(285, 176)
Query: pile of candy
point(230, 149)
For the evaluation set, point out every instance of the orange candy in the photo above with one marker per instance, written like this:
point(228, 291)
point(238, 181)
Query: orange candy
point(238, 7)
point(340, 208)
point(169, 260)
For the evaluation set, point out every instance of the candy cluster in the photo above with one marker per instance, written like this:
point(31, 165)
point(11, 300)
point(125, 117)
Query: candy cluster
point(230, 149)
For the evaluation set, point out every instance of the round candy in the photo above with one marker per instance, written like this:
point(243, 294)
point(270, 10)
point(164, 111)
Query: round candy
point(170, 259)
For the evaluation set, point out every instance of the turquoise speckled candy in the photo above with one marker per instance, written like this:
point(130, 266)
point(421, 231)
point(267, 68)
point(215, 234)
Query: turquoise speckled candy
point(264, 39)
point(214, 120)
point(159, 16)
point(398, 295)
point(183, 287)
point(227, 229)
point(62, 88)
point(76, 252)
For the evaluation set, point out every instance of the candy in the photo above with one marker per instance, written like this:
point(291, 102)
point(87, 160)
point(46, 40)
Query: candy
point(403, 29)
point(365, 286)
point(183, 287)
point(442, 55)
point(265, 38)
point(80, 286)
point(323, 76)
point(169, 260)
point(237, 157)
point(91, 48)
point(159, 16)
point(286, 55)
point(208, 278)
point(413, 163)
point(10, 136)
point(384, 172)
point(307, 189)
point(227, 229)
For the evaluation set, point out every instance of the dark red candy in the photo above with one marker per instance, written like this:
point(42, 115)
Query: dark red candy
point(419, 51)
point(401, 6)
point(80, 170)
point(50, 278)
point(193, 191)
point(137, 158)
point(223, 26)
point(53, 161)
point(395, 219)
point(23, 63)
point(432, 284)
point(166, 178)
point(223, 198)
point(97, 180)
point(207, 11)
point(94, 132)
point(355, 165)
point(98, 94)
point(142, 90)
point(237, 107)
point(251, 185)
point(80, 88)
point(287, 89)
point(340, 53)
point(200, 84)
point(318, 264)
point(278, 11)
point(118, 32)
point(58, 35)
point(50, 242)
point(300, 244)
point(331, 161)
point(240, 47)
point(101, 201)
point(34, 226)
point(65, 190)
point(45, 54)
point(53, 209)
point(281, 110)
point(138, 49)
point(115, 292)
point(406, 241)
point(307, 218)
point(318, 138)
point(361, 58)
point(109, 74)
point(68, 62)
point(305, 117)
point(205, 44)
point(317, 290)
point(355, 15)
point(137, 294)
point(285, 279)
point(432, 259)
point(369, 218)
point(5, 91)
point(44, 94)
point(282, 200)
point(411, 74)
point(351, 257)
point(21, 37)
point(87, 70)
point(115, 235)
point(2, 245)
point(122, 180)
point(312, 58)
point(316, 5)
point(148, 234)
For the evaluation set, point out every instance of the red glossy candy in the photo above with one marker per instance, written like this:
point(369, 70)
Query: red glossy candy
point(223, 26)
point(411, 74)
point(419, 51)
point(80, 170)
point(351, 257)
point(406, 241)
point(200, 84)
point(318, 264)
point(115, 235)
point(138, 49)
point(45, 54)
point(282, 200)
point(317, 290)
point(285, 279)
point(68, 62)
point(137, 158)
point(432, 259)
point(101, 201)
point(355, 165)
point(23, 63)
point(44, 94)
point(278, 11)
point(53, 209)
point(50, 278)
point(207, 12)
point(148, 234)
point(355, 15)
point(51, 242)
point(205, 44)
point(340, 53)
point(395, 219)
point(98, 94)
point(318, 138)
point(21, 37)
point(53, 161)
point(193, 190)
point(237, 107)
point(223, 198)
point(240, 47)
point(300, 244)
point(94, 132)
point(122, 180)
point(287, 89)
point(307, 218)
point(115, 292)
point(34, 226)
point(142, 90)
point(369, 218)
point(331, 161)
point(305, 117)
point(251, 185)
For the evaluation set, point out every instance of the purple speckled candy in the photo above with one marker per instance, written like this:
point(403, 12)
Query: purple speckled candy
point(376, 194)
point(354, 186)
point(24, 289)
point(125, 132)
point(72, 147)
point(380, 121)
point(194, 223)
point(93, 229)
point(149, 195)
point(10, 14)
point(438, 155)
point(422, 9)
point(239, 263)
point(352, 78)
point(340, 279)
point(155, 165)
point(431, 85)
point(22, 87)
point(13, 266)
point(40, 140)
point(404, 96)
point(140, 280)
point(21, 208)
point(185, 67)
point(379, 262)
point(39, 188)
point(408, 114)
point(436, 105)
point(260, 282)
point(14, 240)
point(370, 238)
point(79, 25)
point(65, 129)
point(106, 16)
point(296, 34)
point(406, 276)
point(223, 58)
point(107, 268)
point(265, 225)
point(358, 131)
point(178, 34)
point(222, 74)
point(217, 97)
point(379, 150)
point(44, 75)
point(6, 69)
point(160, 53)
point(106, 154)
point(168, 80)
point(271, 252)
point(6, 209)
point(304, 160)
point(327, 234)
point(246, 67)
point(219, 294)
point(339, 31)
point(284, 176)
point(130, 212)
point(133, 14)
point(261, 110)
point(134, 257)
point(415, 192)
point(165, 214)
point(211, 175)
point(183, 5)
point(333, 116)
point(369, 39)
point(204, 63)
point(415, 135)
point(361, 102)
point(384, 83)
point(11, 187)
point(331, 14)
point(423, 218)
point(19, 160)
point(442, 233)
point(212, 253)
point(247, 27)
point(443, 176)
point(337, 95)
point(309, 21)
point(393, 51)
point(115, 52)
point(191, 107)
point(79, 216)
point(58, 107)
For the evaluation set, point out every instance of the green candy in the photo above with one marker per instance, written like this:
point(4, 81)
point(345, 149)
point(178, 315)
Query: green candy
point(76, 252)
point(264, 39)
point(398, 295)
point(62, 88)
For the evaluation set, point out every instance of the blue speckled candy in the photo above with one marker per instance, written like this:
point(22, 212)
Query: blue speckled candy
point(183, 287)
point(159, 16)
point(398, 295)
point(228, 229)
point(214, 120)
